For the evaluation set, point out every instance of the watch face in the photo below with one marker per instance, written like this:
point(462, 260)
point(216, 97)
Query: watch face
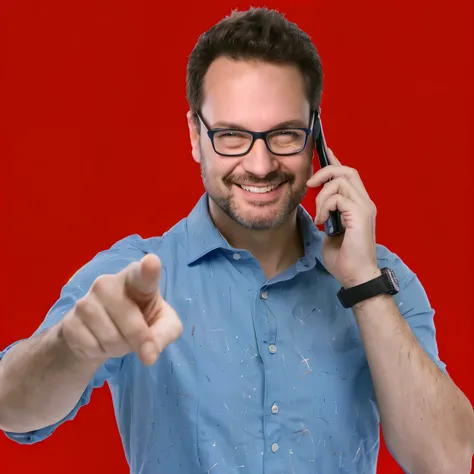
point(393, 280)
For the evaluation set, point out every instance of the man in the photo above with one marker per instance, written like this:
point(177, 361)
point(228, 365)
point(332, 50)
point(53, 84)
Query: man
point(224, 341)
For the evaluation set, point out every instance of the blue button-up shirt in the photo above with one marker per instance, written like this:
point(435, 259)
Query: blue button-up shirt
point(269, 376)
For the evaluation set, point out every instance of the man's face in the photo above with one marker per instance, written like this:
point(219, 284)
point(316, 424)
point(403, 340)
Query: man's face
point(257, 97)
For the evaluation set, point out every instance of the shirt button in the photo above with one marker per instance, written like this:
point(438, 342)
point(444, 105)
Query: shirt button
point(264, 295)
point(236, 256)
point(274, 408)
point(275, 447)
point(272, 348)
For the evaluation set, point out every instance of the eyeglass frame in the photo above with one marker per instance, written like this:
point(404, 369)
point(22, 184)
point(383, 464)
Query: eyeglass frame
point(257, 135)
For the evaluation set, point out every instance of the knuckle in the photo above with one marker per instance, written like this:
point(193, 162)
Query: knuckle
point(102, 284)
point(77, 340)
point(370, 211)
point(84, 306)
point(68, 326)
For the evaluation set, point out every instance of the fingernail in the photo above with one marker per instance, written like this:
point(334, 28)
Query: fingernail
point(148, 352)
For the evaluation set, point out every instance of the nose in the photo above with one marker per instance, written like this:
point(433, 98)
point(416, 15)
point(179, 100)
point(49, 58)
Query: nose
point(259, 161)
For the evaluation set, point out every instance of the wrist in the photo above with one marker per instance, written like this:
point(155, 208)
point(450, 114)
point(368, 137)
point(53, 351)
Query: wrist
point(363, 276)
point(378, 301)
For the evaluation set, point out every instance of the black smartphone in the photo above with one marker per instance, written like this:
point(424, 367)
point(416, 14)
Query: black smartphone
point(333, 226)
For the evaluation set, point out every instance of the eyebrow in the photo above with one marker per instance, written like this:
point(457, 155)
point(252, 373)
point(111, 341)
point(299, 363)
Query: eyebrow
point(296, 123)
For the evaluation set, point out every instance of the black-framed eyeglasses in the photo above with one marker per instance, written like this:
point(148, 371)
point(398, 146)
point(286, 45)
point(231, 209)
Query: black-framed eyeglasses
point(236, 142)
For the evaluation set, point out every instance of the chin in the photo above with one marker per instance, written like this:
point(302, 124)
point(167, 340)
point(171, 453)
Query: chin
point(258, 223)
point(257, 214)
point(260, 217)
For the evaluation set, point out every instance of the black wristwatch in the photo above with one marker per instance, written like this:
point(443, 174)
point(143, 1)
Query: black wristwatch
point(386, 283)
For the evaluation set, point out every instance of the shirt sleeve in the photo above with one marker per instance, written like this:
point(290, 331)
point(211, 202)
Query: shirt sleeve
point(413, 304)
point(110, 261)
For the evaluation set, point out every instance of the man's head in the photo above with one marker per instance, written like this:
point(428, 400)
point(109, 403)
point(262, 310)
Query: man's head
point(254, 71)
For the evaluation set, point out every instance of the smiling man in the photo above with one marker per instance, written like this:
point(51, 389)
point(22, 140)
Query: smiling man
point(254, 183)
point(244, 340)
point(256, 192)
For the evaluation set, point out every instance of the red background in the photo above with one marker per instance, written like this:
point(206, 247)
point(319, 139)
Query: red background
point(94, 146)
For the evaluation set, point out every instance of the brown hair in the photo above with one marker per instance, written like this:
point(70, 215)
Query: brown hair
point(258, 34)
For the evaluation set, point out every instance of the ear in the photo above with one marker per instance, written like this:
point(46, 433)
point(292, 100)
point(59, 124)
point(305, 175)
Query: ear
point(194, 136)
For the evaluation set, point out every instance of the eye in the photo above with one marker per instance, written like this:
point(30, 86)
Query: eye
point(287, 140)
point(231, 134)
point(287, 136)
point(288, 133)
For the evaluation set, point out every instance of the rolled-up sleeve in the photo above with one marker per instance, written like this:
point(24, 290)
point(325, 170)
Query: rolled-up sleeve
point(107, 262)
point(414, 305)
point(103, 374)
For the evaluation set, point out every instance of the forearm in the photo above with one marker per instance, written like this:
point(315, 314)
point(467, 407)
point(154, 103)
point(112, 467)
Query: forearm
point(427, 421)
point(40, 382)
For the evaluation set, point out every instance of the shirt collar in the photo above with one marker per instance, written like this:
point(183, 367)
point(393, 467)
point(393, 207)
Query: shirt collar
point(203, 236)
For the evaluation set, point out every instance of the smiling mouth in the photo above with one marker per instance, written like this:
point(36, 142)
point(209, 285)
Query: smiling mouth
point(259, 189)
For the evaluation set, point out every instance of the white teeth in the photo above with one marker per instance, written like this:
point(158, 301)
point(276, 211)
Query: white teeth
point(260, 190)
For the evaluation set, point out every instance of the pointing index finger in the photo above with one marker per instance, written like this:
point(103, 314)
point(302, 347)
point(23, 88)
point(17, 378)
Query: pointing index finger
point(142, 278)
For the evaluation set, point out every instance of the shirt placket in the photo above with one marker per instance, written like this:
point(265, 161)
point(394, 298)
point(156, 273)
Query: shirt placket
point(273, 405)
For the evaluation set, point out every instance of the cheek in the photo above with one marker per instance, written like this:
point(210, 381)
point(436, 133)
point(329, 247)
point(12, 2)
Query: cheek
point(307, 166)
point(218, 168)
point(302, 169)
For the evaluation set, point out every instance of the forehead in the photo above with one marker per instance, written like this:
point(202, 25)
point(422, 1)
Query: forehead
point(254, 94)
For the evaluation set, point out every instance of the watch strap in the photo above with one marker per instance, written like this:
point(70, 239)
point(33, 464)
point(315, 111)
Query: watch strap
point(386, 283)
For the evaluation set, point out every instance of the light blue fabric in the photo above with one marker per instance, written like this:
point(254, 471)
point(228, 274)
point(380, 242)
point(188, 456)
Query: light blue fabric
point(248, 344)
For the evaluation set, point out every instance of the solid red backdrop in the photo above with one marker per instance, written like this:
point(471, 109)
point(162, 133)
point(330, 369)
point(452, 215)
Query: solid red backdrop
point(94, 146)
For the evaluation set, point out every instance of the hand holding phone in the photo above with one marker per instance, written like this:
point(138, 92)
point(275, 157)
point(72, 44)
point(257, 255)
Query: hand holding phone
point(333, 226)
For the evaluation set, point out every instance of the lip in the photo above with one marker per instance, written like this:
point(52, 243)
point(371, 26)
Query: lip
point(262, 197)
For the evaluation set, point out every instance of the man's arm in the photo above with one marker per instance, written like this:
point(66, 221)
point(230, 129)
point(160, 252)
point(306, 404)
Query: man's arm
point(41, 381)
point(427, 421)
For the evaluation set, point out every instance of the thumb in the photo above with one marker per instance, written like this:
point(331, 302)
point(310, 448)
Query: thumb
point(142, 279)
